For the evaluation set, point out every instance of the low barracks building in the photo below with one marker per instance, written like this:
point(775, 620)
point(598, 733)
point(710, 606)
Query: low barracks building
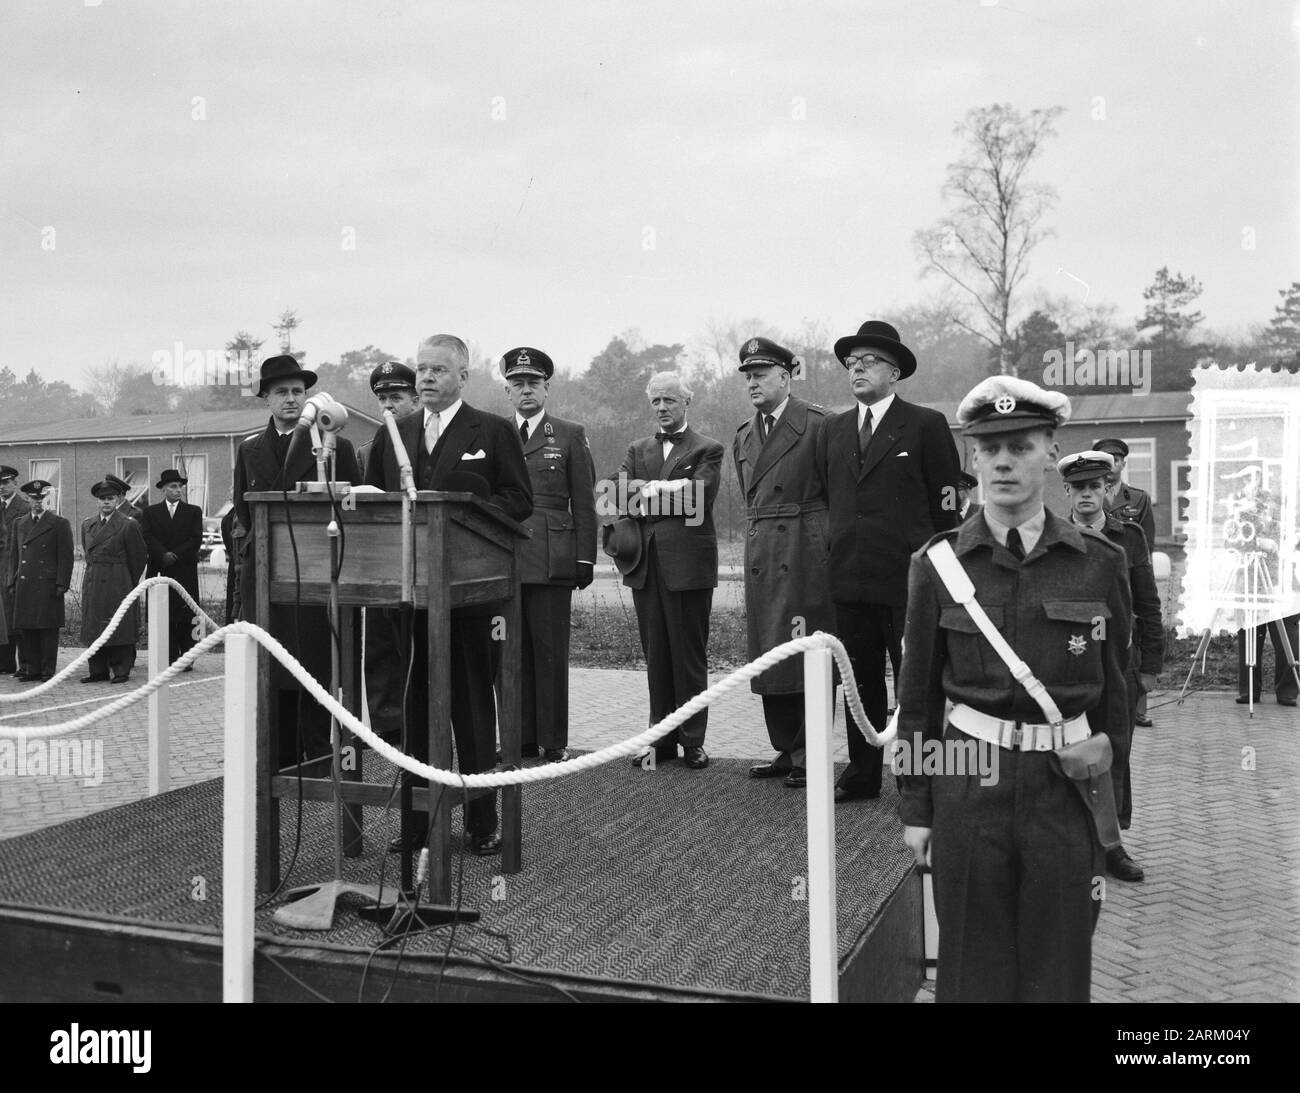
point(74, 455)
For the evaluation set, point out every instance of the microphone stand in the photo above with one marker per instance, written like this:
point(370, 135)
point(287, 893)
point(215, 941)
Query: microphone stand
point(311, 906)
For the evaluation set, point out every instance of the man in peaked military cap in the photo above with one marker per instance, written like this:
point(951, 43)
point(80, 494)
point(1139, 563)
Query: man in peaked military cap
point(13, 507)
point(787, 542)
point(1128, 503)
point(560, 556)
point(1017, 862)
point(393, 385)
point(1086, 475)
point(40, 571)
point(891, 481)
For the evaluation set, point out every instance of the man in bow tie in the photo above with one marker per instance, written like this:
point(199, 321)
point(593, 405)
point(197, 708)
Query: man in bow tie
point(455, 447)
point(672, 481)
point(173, 533)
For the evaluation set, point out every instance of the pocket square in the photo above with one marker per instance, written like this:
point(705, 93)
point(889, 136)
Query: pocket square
point(480, 454)
point(900, 455)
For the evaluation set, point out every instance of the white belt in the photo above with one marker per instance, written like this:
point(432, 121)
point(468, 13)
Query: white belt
point(1019, 735)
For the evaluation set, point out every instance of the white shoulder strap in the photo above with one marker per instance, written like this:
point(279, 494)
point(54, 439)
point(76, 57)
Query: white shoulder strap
point(961, 589)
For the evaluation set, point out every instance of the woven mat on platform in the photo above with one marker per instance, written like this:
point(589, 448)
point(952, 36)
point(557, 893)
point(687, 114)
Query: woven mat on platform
point(669, 877)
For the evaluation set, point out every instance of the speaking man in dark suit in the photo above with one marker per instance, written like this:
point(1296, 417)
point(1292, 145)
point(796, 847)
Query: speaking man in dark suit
point(40, 571)
point(561, 555)
point(278, 458)
point(671, 484)
point(892, 474)
point(455, 447)
point(13, 507)
point(173, 534)
point(787, 543)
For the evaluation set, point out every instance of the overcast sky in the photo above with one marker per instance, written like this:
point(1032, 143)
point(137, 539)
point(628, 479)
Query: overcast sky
point(646, 167)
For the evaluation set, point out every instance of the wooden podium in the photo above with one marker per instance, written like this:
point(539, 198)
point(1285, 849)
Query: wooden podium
point(464, 554)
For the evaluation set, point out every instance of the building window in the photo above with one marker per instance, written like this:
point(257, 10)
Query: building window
point(134, 471)
point(195, 468)
point(51, 471)
point(1140, 467)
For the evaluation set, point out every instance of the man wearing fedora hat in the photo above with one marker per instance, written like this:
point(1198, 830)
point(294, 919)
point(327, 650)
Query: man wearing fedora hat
point(40, 571)
point(787, 542)
point(891, 481)
point(115, 559)
point(173, 534)
point(560, 556)
point(13, 507)
point(277, 459)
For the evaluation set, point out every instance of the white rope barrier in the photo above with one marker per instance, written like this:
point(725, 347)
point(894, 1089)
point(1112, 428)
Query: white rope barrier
point(493, 780)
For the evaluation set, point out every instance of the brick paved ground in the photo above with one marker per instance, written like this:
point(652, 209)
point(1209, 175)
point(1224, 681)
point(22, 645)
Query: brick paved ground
point(1217, 821)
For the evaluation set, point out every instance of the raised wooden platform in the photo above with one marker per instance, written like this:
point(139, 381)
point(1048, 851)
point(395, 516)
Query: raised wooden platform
point(665, 885)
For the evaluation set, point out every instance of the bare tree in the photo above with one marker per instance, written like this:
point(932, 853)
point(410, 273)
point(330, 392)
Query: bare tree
point(982, 246)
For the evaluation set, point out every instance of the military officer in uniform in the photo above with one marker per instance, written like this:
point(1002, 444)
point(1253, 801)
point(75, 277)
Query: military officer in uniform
point(967, 483)
point(40, 571)
point(1017, 862)
point(560, 556)
point(1085, 475)
point(13, 507)
point(787, 542)
point(393, 385)
point(116, 556)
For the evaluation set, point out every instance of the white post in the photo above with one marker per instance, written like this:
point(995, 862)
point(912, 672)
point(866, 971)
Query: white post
point(239, 820)
point(160, 700)
point(819, 715)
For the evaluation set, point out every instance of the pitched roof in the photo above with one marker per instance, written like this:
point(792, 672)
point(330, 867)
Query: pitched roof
point(213, 423)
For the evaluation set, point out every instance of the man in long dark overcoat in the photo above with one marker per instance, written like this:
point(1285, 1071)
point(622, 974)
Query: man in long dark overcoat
point(40, 571)
point(173, 535)
point(13, 507)
point(115, 559)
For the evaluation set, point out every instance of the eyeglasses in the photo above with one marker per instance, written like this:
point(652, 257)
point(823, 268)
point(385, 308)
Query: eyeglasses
point(864, 361)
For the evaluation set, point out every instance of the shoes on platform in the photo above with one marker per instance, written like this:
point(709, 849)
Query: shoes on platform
point(555, 755)
point(25, 677)
point(774, 769)
point(528, 751)
point(95, 679)
point(797, 778)
point(695, 758)
point(1121, 866)
point(854, 793)
point(1143, 722)
point(188, 668)
point(411, 843)
point(1286, 701)
point(661, 755)
point(120, 679)
point(1242, 700)
point(485, 845)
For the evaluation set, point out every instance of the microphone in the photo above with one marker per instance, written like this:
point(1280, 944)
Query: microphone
point(324, 411)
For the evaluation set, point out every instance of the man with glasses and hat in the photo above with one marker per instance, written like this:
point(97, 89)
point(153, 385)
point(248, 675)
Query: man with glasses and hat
point(13, 507)
point(891, 482)
point(561, 555)
point(272, 461)
point(40, 571)
point(1015, 845)
point(787, 542)
point(115, 554)
point(173, 534)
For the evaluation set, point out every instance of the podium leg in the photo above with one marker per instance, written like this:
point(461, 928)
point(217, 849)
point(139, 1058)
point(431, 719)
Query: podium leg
point(510, 726)
point(352, 827)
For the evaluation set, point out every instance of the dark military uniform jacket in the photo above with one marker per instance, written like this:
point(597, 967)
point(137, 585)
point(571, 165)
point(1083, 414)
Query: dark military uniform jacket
point(787, 538)
point(1133, 506)
point(115, 560)
point(1148, 649)
point(40, 571)
point(1065, 610)
point(563, 522)
point(10, 514)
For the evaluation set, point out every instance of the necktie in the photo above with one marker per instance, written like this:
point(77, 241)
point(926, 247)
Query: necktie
point(1015, 545)
point(769, 423)
point(431, 429)
point(523, 430)
point(672, 438)
point(864, 435)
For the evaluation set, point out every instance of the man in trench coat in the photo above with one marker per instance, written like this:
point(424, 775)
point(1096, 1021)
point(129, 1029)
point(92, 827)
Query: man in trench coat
point(115, 559)
point(40, 571)
point(13, 507)
point(787, 543)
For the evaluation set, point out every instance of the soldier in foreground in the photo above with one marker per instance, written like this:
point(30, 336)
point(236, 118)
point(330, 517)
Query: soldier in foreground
point(1018, 856)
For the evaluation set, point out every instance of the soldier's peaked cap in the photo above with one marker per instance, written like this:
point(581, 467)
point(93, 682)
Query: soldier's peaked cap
point(1085, 466)
point(1008, 404)
point(762, 353)
point(524, 360)
point(392, 376)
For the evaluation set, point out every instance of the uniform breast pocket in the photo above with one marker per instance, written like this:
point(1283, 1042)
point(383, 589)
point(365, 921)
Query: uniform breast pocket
point(1072, 649)
point(970, 656)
